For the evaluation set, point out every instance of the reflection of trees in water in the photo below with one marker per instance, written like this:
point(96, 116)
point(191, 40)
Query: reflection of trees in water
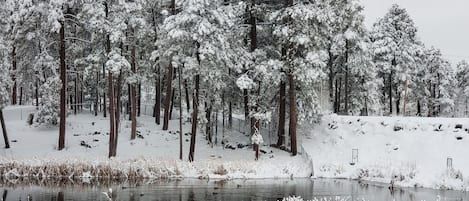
point(60, 196)
point(4, 196)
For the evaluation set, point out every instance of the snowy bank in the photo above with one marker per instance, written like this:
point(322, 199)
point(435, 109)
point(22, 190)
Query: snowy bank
point(399, 151)
point(151, 168)
point(154, 154)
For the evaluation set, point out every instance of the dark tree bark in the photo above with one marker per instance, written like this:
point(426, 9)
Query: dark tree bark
point(4, 130)
point(172, 105)
point(180, 113)
point(13, 77)
point(63, 78)
point(330, 66)
point(112, 113)
point(139, 101)
point(21, 96)
point(117, 112)
point(133, 103)
point(97, 94)
point(158, 98)
point(168, 82)
point(75, 91)
point(195, 103)
point(346, 101)
point(60, 196)
point(282, 115)
point(208, 126)
point(37, 95)
point(167, 100)
point(186, 89)
point(293, 121)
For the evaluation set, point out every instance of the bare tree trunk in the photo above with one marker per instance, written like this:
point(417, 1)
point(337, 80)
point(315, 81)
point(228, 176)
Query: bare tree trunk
point(180, 114)
point(208, 114)
point(172, 105)
point(37, 94)
point(97, 94)
point(133, 103)
point(195, 103)
point(187, 96)
point(13, 77)
point(346, 79)
point(111, 116)
point(330, 66)
point(139, 101)
point(75, 91)
point(21, 95)
point(292, 125)
point(282, 115)
point(117, 112)
point(4, 130)
point(158, 98)
point(104, 109)
point(63, 78)
point(167, 101)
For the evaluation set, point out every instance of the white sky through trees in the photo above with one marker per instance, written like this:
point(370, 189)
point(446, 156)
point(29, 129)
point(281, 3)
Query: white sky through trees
point(441, 23)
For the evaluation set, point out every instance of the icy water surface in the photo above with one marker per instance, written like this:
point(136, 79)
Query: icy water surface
point(236, 190)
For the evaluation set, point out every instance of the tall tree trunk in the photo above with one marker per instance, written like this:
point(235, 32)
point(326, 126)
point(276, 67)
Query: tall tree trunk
point(282, 115)
point(390, 93)
point(393, 64)
point(139, 101)
point(133, 113)
point(330, 66)
point(75, 90)
point(292, 125)
point(187, 96)
point(112, 114)
point(195, 103)
point(208, 126)
point(97, 94)
point(336, 101)
point(63, 78)
point(4, 130)
point(158, 98)
point(167, 100)
point(37, 94)
point(21, 95)
point(13, 77)
point(104, 106)
point(172, 105)
point(180, 113)
point(117, 112)
point(346, 79)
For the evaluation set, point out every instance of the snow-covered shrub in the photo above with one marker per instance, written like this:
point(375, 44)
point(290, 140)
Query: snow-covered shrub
point(48, 112)
point(292, 198)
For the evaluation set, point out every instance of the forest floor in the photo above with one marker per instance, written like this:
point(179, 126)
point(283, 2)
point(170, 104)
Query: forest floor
point(153, 154)
point(404, 151)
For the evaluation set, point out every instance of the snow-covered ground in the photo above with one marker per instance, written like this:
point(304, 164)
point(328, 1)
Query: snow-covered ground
point(406, 151)
point(153, 154)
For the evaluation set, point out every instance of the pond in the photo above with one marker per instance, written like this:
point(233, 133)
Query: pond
point(205, 190)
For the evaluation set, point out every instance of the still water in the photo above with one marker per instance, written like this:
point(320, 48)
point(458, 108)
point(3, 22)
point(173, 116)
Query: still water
point(205, 190)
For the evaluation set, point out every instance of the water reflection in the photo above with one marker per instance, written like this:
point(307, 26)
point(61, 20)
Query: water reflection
point(195, 190)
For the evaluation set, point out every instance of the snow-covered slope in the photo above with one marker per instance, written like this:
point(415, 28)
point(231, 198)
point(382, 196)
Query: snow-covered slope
point(155, 153)
point(406, 151)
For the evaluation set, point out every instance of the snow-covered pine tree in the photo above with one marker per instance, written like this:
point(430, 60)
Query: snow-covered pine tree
point(395, 46)
point(299, 30)
point(196, 37)
point(462, 78)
